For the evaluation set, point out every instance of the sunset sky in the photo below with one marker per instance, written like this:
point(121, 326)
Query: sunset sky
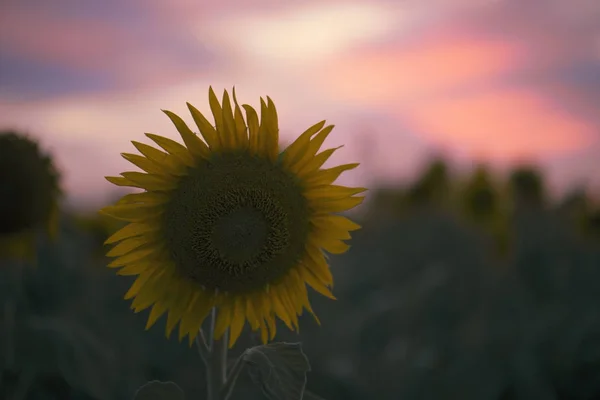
point(498, 80)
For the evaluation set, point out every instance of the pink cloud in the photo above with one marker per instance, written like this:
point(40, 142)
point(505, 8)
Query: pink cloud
point(132, 54)
point(447, 86)
point(426, 67)
point(188, 10)
point(507, 124)
point(88, 44)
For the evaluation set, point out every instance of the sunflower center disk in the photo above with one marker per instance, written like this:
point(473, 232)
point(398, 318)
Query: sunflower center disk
point(236, 223)
point(240, 235)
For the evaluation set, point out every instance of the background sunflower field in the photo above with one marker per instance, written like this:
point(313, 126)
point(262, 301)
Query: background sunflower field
point(470, 287)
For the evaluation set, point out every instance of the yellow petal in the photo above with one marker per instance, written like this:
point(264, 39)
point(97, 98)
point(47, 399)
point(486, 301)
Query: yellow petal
point(258, 305)
point(169, 163)
point(317, 264)
point(332, 246)
point(336, 222)
point(135, 256)
point(131, 212)
point(143, 163)
point(280, 309)
point(128, 245)
point(293, 292)
point(303, 294)
point(331, 192)
point(120, 181)
point(327, 176)
point(206, 129)
point(185, 318)
point(136, 268)
point(200, 306)
point(229, 133)
point(293, 153)
point(131, 230)
point(172, 147)
point(251, 315)
point(327, 233)
point(310, 149)
point(272, 139)
point(150, 181)
point(177, 307)
point(315, 145)
point(263, 130)
point(337, 205)
point(157, 311)
point(272, 326)
point(315, 282)
point(223, 319)
point(194, 144)
point(264, 331)
point(313, 164)
point(240, 125)
point(138, 284)
point(151, 292)
point(217, 112)
point(238, 320)
point(253, 129)
point(261, 309)
point(145, 198)
point(289, 305)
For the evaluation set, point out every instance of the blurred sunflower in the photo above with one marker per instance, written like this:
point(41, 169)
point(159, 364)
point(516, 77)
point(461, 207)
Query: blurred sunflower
point(230, 222)
point(29, 194)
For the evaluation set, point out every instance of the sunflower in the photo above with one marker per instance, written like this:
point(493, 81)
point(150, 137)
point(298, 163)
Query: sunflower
point(230, 222)
point(29, 193)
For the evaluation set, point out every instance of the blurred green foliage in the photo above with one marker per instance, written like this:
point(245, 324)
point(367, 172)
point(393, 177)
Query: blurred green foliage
point(465, 288)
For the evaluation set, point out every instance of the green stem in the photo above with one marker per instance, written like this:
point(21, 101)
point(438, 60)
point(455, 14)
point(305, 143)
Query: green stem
point(202, 347)
point(234, 373)
point(216, 369)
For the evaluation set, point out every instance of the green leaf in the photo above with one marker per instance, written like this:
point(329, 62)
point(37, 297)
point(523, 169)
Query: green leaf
point(156, 390)
point(311, 396)
point(279, 369)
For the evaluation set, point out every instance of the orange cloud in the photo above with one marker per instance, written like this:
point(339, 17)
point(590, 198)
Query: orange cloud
point(506, 125)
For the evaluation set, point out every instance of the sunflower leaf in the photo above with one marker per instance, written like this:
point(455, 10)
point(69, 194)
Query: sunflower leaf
point(279, 369)
point(311, 396)
point(156, 390)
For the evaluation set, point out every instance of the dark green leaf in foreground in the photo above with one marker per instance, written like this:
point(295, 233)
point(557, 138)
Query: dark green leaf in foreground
point(156, 390)
point(279, 369)
point(311, 396)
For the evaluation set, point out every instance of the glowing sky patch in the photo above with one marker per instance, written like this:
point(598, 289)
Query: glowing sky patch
point(306, 34)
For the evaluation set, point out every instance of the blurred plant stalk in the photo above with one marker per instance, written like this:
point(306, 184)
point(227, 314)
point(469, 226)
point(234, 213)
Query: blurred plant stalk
point(9, 322)
point(10, 315)
point(9, 326)
point(214, 355)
